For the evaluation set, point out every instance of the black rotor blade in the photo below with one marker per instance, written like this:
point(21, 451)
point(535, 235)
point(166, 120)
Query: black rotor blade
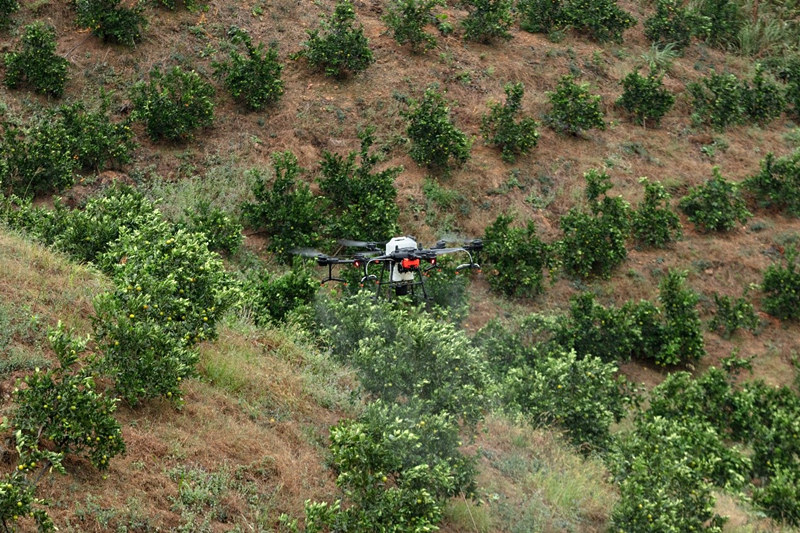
point(358, 244)
point(306, 252)
point(439, 251)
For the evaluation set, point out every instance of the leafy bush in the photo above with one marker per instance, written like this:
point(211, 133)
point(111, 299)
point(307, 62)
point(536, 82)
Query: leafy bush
point(574, 108)
point(173, 104)
point(407, 20)
point(223, 234)
point(732, 315)
point(516, 257)
point(434, 137)
point(781, 497)
point(17, 499)
point(488, 20)
point(777, 185)
point(338, 46)
point(95, 138)
point(725, 19)
point(500, 128)
point(602, 20)
point(672, 23)
point(59, 412)
point(719, 100)
point(274, 297)
point(255, 78)
point(594, 242)
point(7, 8)
point(683, 332)
point(364, 200)
point(37, 64)
point(717, 205)
point(110, 21)
point(540, 16)
point(764, 100)
point(654, 223)
point(581, 395)
point(396, 465)
point(781, 288)
point(645, 98)
point(287, 211)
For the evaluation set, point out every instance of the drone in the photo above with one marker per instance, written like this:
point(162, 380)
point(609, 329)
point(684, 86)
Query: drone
point(404, 262)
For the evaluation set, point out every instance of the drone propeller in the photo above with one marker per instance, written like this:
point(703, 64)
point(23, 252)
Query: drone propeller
point(307, 252)
point(371, 246)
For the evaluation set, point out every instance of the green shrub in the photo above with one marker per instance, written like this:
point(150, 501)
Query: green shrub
point(594, 242)
point(110, 21)
point(654, 223)
point(781, 288)
point(338, 47)
point(434, 138)
point(781, 497)
point(732, 315)
point(645, 98)
point(255, 78)
point(59, 412)
point(602, 20)
point(407, 20)
point(17, 499)
point(573, 108)
point(95, 138)
point(363, 200)
point(682, 330)
point(516, 257)
point(777, 185)
point(717, 205)
point(396, 465)
point(488, 20)
point(7, 8)
point(582, 395)
point(725, 19)
point(719, 100)
point(540, 16)
point(674, 24)
point(223, 234)
point(173, 104)
point(500, 128)
point(764, 100)
point(286, 211)
point(37, 64)
point(274, 297)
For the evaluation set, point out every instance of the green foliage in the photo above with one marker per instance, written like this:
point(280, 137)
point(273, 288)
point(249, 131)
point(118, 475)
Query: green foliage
point(173, 104)
point(719, 100)
point(594, 242)
point(488, 20)
point(732, 315)
point(645, 98)
point(574, 108)
point(255, 78)
point(582, 395)
point(59, 412)
point(500, 128)
point(110, 21)
point(662, 468)
point(286, 211)
point(539, 16)
point(338, 47)
point(516, 257)
point(717, 205)
point(435, 139)
point(781, 288)
point(725, 19)
point(654, 223)
point(96, 140)
point(274, 297)
point(223, 234)
point(781, 497)
point(602, 20)
point(363, 200)
point(7, 8)
point(764, 100)
point(407, 20)
point(191, 5)
point(37, 64)
point(396, 466)
point(777, 185)
point(683, 331)
point(672, 23)
point(17, 499)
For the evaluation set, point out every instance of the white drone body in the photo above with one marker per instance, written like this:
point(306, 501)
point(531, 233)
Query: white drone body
point(400, 271)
